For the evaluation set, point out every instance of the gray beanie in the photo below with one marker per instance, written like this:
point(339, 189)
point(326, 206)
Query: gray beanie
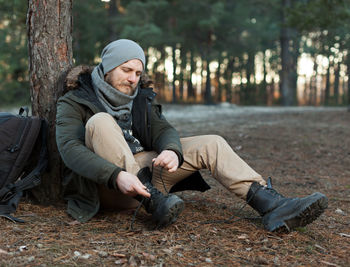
point(120, 51)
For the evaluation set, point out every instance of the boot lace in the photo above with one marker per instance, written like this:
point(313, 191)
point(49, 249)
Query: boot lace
point(271, 190)
point(155, 195)
point(238, 215)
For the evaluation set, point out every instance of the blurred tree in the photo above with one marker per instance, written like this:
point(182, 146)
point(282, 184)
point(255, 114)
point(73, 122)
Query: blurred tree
point(93, 28)
point(14, 86)
point(113, 14)
point(327, 24)
point(198, 25)
point(150, 31)
point(246, 39)
point(289, 45)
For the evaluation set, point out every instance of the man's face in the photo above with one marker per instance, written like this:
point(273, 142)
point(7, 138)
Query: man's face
point(126, 76)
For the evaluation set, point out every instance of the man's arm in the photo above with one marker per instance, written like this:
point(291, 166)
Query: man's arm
point(165, 141)
point(70, 138)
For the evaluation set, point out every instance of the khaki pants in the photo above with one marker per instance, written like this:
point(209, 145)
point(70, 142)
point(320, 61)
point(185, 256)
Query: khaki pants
point(105, 138)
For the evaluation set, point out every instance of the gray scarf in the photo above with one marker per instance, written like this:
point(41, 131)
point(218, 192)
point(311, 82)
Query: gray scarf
point(116, 104)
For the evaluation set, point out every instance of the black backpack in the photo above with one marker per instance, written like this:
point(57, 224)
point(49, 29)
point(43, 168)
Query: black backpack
point(19, 135)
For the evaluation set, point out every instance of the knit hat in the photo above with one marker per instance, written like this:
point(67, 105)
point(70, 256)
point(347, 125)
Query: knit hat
point(120, 51)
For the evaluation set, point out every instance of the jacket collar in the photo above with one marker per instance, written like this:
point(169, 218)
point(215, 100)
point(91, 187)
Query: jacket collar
point(78, 80)
point(77, 75)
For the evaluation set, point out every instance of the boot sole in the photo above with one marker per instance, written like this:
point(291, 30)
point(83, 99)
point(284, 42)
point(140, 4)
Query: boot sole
point(302, 216)
point(170, 215)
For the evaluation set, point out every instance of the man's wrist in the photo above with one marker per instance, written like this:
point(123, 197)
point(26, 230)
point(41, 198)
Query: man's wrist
point(179, 156)
point(112, 182)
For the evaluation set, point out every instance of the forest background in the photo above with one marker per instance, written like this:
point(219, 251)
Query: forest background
point(250, 52)
point(271, 52)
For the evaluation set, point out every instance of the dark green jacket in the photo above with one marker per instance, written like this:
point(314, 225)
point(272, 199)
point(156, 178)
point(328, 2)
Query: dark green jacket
point(86, 169)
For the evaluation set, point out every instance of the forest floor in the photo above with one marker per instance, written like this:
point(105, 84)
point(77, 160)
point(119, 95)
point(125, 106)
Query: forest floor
point(303, 149)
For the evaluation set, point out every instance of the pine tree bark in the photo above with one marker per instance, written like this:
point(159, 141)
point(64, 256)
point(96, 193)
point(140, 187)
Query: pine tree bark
point(49, 27)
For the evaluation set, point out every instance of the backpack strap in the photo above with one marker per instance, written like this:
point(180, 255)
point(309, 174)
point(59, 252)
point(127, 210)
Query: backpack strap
point(10, 207)
point(12, 193)
point(33, 178)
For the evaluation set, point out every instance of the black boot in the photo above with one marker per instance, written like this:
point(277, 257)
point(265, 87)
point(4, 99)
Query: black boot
point(164, 209)
point(284, 214)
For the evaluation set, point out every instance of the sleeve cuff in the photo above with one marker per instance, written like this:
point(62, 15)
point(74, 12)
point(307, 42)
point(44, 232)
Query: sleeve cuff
point(179, 155)
point(112, 182)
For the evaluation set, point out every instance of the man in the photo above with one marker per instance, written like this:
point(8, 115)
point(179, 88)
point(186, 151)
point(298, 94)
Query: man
point(110, 132)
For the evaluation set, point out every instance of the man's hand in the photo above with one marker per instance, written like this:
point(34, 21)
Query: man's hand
point(130, 185)
point(167, 159)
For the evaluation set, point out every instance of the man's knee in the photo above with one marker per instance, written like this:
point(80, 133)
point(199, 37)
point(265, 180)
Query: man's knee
point(215, 140)
point(203, 143)
point(101, 119)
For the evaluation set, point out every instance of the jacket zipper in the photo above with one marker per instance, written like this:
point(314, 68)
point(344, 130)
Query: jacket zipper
point(148, 120)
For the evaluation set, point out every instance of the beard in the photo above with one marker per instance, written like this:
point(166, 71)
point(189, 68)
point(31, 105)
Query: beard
point(123, 87)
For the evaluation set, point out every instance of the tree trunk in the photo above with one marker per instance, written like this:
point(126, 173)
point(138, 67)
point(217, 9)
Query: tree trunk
point(313, 85)
point(218, 76)
point(190, 90)
point(147, 60)
point(327, 89)
point(344, 100)
point(157, 78)
point(182, 73)
point(249, 95)
point(112, 16)
point(202, 83)
point(315, 102)
point(228, 78)
point(263, 86)
point(293, 75)
point(305, 92)
point(336, 83)
point(163, 73)
point(287, 90)
point(174, 74)
point(49, 25)
point(207, 94)
point(348, 72)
